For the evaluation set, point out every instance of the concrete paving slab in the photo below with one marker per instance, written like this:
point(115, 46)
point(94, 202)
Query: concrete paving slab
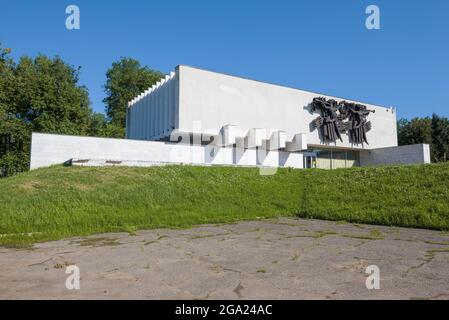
point(281, 258)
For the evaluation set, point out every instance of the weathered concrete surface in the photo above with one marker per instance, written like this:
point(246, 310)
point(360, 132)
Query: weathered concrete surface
point(269, 259)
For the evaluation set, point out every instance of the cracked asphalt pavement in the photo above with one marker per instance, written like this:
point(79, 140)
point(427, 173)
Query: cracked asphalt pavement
point(267, 259)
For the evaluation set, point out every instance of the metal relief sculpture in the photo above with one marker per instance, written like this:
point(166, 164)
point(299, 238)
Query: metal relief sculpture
point(341, 117)
point(329, 122)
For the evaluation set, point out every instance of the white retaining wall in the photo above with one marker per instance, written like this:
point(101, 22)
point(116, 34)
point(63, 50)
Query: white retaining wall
point(411, 154)
point(49, 149)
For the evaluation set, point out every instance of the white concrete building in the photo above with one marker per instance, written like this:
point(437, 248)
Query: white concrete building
point(200, 117)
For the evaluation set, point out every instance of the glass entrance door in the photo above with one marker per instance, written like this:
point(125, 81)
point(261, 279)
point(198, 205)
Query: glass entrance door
point(309, 160)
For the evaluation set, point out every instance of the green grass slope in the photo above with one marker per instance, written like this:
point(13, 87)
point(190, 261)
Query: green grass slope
point(60, 202)
point(405, 196)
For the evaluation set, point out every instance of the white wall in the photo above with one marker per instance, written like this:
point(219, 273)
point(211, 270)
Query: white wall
point(218, 99)
point(153, 114)
point(411, 154)
point(49, 149)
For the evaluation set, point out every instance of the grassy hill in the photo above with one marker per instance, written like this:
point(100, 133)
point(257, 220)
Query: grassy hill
point(60, 202)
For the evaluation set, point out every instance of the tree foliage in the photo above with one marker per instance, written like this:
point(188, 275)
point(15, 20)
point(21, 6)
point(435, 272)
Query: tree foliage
point(433, 131)
point(124, 81)
point(440, 138)
point(418, 130)
point(14, 133)
point(38, 94)
point(100, 126)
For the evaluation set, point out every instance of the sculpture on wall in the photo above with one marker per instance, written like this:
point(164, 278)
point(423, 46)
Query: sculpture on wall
point(329, 122)
point(332, 120)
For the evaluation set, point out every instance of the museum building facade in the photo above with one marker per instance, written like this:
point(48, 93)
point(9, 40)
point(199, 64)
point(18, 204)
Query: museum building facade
point(315, 130)
point(198, 117)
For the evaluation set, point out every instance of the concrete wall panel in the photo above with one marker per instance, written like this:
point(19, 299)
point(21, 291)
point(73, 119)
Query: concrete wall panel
point(411, 154)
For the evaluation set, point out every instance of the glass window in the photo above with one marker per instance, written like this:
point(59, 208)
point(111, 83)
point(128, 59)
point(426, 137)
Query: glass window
point(331, 159)
point(323, 159)
point(338, 159)
point(352, 159)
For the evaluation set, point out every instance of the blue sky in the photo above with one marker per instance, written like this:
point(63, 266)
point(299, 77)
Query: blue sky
point(318, 45)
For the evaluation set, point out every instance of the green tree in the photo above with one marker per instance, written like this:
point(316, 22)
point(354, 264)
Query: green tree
point(125, 80)
point(41, 95)
point(418, 130)
point(14, 145)
point(14, 133)
point(101, 127)
point(440, 138)
point(402, 126)
point(48, 96)
point(433, 131)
